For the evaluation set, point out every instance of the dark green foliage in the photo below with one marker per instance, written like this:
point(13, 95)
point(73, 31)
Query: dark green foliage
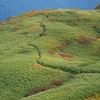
point(97, 29)
point(97, 7)
point(71, 76)
point(43, 27)
point(40, 89)
point(25, 33)
point(25, 51)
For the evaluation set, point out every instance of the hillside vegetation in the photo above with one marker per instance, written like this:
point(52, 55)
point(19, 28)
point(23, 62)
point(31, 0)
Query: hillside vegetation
point(15, 7)
point(50, 55)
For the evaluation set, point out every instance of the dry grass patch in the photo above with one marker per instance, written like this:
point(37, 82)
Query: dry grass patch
point(38, 67)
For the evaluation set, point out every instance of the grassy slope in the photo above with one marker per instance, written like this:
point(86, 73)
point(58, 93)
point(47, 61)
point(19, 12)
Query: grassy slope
point(29, 61)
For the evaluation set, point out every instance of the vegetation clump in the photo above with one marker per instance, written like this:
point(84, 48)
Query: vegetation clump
point(57, 82)
point(42, 34)
point(82, 39)
point(71, 76)
point(97, 7)
point(66, 55)
point(37, 90)
point(25, 33)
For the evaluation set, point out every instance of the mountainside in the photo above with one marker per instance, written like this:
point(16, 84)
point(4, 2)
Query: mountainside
point(50, 55)
point(14, 7)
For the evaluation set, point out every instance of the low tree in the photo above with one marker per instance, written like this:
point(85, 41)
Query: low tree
point(97, 7)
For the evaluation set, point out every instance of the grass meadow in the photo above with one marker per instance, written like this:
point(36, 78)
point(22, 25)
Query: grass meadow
point(50, 55)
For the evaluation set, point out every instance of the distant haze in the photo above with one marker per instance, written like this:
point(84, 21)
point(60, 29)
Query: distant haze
point(14, 7)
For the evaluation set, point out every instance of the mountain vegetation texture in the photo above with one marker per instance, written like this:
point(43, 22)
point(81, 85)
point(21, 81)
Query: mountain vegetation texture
point(10, 8)
point(50, 55)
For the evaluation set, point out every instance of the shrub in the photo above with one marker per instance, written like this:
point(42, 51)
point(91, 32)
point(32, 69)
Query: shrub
point(42, 34)
point(82, 39)
point(47, 15)
point(57, 82)
point(43, 27)
point(71, 75)
point(72, 12)
point(62, 47)
point(97, 7)
point(37, 90)
point(68, 41)
point(79, 37)
point(25, 33)
point(72, 22)
point(85, 41)
point(51, 52)
point(66, 55)
point(96, 28)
